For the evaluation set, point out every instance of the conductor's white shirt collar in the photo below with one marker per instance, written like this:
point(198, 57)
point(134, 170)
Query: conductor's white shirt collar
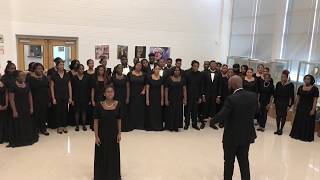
point(237, 90)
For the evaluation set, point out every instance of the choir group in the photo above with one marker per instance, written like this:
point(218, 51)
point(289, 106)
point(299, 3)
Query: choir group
point(153, 95)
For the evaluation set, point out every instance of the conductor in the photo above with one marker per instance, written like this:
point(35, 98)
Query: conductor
point(237, 115)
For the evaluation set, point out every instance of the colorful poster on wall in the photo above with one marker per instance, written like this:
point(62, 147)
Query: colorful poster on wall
point(160, 52)
point(101, 50)
point(140, 51)
point(122, 51)
point(1, 38)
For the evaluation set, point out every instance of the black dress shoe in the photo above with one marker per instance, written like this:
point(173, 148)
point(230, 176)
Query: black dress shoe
point(77, 128)
point(214, 127)
point(84, 128)
point(45, 133)
point(280, 133)
point(202, 126)
point(221, 125)
point(277, 132)
point(186, 127)
point(195, 127)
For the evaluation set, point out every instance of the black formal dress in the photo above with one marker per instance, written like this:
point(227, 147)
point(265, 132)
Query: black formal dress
point(22, 128)
point(266, 92)
point(107, 154)
point(71, 109)
point(90, 107)
point(282, 96)
point(40, 95)
point(120, 86)
point(304, 125)
point(80, 93)
point(61, 93)
point(3, 115)
point(252, 86)
point(51, 109)
point(99, 87)
point(237, 115)
point(194, 86)
point(174, 112)
point(137, 102)
point(154, 121)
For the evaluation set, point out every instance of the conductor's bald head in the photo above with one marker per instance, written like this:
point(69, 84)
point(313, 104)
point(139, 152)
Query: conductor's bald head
point(235, 82)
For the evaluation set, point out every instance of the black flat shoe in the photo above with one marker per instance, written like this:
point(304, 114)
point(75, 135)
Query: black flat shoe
point(202, 126)
point(186, 127)
point(280, 133)
point(84, 128)
point(77, 128)
point(277, 132)
point(45, 133)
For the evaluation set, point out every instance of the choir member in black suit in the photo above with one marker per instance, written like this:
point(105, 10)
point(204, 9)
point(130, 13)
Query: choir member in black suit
point(145, 66)
point(90, 73)
point(100, 81)
point(154, 100)
point(169, 63)
point(304, 121)
point(107, 128)
point(224, 85)
point(4, 102)
point(161, 63)
point(212, 91)
point(125, 66)
point(81, 96)
point(137, 101)
point(51, 109)
point(237, 115)
point(152, 60)
point(194, 86)
point(122, 94)
point(175, 98)
point(266, 93)
point(8, 80)
point(283, 99)
point(61, 92)
point(244, 69)
point(250, 82)
point(22, 125)
point(39, 85)
point(74, 66)
point(202, 106)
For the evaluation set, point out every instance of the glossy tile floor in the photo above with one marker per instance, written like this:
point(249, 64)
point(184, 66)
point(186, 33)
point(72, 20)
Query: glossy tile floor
point(188, 155)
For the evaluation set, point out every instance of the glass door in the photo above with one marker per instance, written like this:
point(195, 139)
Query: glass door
point(65, 49)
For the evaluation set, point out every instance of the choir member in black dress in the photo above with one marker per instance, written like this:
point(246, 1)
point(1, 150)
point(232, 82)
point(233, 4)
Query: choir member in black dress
point(250, 83)
point(219, 65)
point(22, 125)
point(30, 70)
point(259, 72)
point(303, 126)
point(122, 93)
point(74, 66)
point(283, 99)
point(266, 93)
point(90, 73)
point(104, 61)
point(194, 86)
point(61, 92)
point(137, 101)
point(175, 98)
point(107, 128)
point(39, 86)
point(51, 109)
point(125, 66)
point(99, 83)
point(8, 80)
point(135, 60)
point(212, 92)
point(4, 102)
point(154, 100)
point(244, 69)
point(146, 67)
point(81, 97)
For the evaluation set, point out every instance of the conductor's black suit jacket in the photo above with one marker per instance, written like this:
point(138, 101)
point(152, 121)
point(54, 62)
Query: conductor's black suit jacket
point(237, 115)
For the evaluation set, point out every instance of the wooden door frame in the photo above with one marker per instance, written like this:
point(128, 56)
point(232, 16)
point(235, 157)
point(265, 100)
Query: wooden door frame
point(48, 42)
